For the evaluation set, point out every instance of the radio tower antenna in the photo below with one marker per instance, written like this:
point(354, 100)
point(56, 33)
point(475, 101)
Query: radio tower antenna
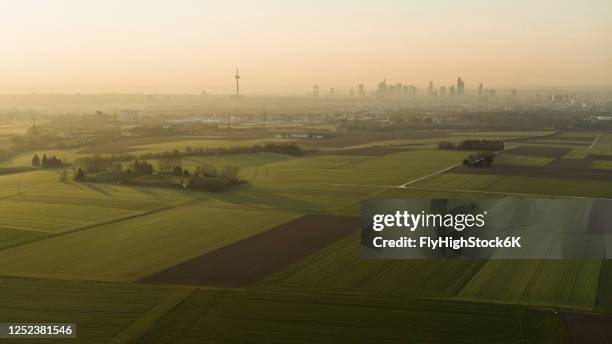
point(237, 77)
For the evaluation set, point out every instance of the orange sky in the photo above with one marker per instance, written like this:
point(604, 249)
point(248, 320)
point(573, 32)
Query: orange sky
point(283, 47)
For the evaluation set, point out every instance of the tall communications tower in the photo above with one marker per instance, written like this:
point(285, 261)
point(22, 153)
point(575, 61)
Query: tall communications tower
point(237, 77)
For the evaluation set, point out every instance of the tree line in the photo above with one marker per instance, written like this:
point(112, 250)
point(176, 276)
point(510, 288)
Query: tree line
point(46, 162)
point(171, 159)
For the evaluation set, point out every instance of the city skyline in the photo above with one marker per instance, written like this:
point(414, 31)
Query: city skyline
point(189, 46)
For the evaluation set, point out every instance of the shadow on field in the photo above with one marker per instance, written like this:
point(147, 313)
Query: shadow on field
point(250, 195)
point(96, 188)
point(247, 261)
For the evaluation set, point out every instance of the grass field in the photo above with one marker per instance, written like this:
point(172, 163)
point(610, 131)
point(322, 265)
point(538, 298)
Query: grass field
point(55, 218)
point(137, 247)
point(565, 283)
point(222, 316)
point(339, 267)
point(104, 312)
point(518, 185)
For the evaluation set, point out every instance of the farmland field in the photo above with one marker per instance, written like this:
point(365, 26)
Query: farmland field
point(100, 241)
point(136, 247)
point(104, 311)
point(247, 261)
point(219, 316)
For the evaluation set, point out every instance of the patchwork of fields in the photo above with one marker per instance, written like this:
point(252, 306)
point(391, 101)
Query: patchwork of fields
point(66, 245)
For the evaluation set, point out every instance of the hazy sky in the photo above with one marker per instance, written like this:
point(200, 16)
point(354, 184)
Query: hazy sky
point(286, 46)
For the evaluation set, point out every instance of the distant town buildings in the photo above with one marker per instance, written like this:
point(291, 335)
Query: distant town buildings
point(361, 90)
point(315, 90)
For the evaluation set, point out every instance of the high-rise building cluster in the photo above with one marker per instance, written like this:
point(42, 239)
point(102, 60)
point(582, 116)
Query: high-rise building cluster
point(398, 89)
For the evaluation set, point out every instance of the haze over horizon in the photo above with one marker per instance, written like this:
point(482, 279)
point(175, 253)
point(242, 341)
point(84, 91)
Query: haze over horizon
point(284, 48)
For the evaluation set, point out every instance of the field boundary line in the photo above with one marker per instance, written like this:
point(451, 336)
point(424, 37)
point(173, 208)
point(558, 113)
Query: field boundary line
point(594, 141)
point(150, 317)
point(427, 176)
point(501, 193)
point(104, 223)
point(33, 230)
point(347, 184)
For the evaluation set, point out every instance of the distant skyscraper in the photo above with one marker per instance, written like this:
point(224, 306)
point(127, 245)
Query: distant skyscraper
point(382, 87)
point(442, 91)
point(315, 90)
point(460, 86)
point(237, 77)
point(514, 92)
point(430, 91)
point(480, 89)
point(451, 90)
point(361, 90)
point(332, 91)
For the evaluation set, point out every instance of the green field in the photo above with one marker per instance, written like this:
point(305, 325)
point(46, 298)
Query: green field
point(222, 316)
point(103, 311)
point(136, 247)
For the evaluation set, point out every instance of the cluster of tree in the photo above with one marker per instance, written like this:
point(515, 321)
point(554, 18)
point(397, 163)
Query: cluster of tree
point(209, 178)
point(280, 148)
point(79, 175)
point(168, 161)
point(136, 169)
point(205, 177)
point(118, 173)
point(46, 162)
point(170, 164)
point(479, 160)
point(481, 145)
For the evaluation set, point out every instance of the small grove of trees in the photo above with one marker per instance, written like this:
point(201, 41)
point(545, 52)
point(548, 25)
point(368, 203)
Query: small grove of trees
point(481, 145)
point(79, 175)
point(210, 178)
point(118, 173)
point(136, 169)
point(479, 160)
point(169, 163)
point(206, 177)
point(46, 162)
